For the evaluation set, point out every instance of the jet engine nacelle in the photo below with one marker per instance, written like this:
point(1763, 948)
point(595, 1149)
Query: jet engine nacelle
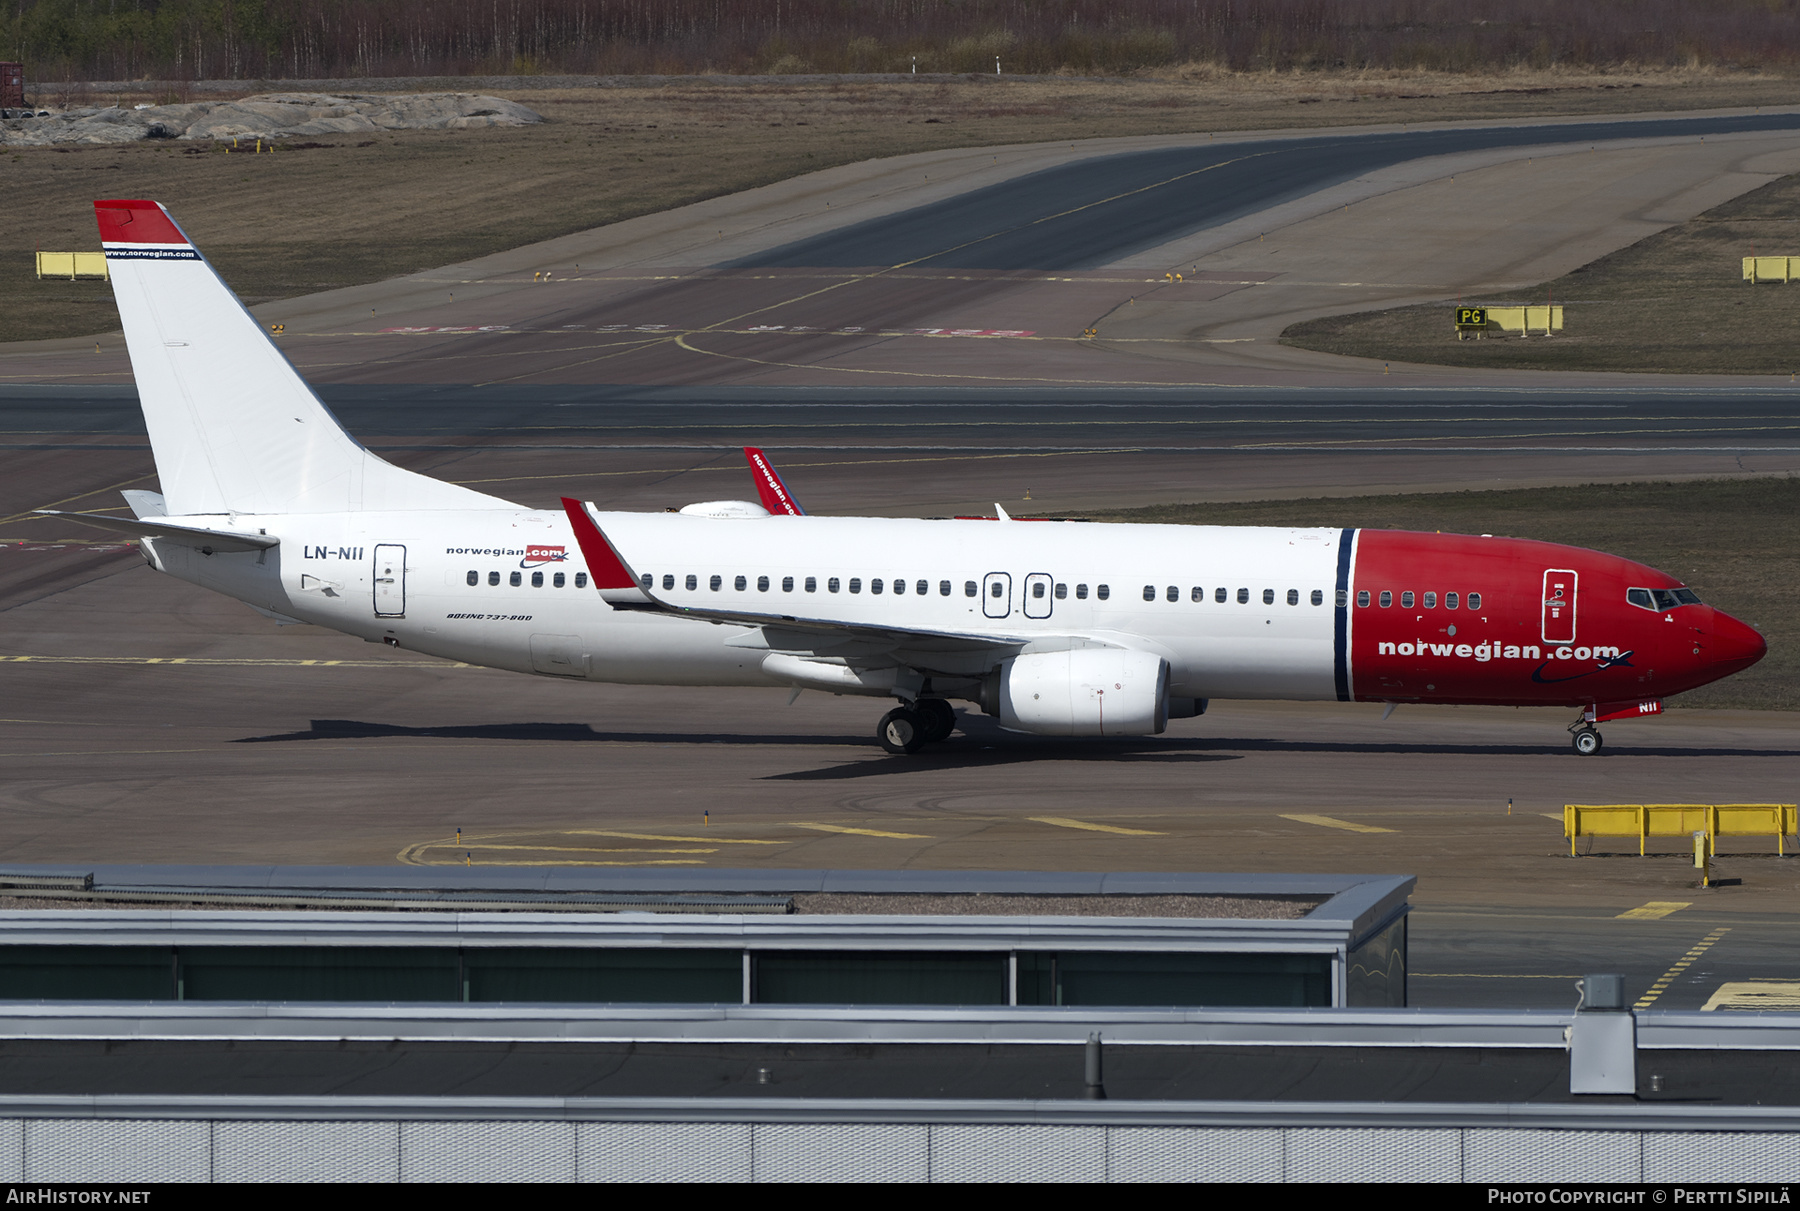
point(1086, 692)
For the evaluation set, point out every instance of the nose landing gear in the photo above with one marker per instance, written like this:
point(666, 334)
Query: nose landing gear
point(1584, 739)
point(907, 729)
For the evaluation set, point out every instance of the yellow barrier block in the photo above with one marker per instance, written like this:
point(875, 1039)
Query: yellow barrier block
point(1646, 820)
point(1603, 820)
point(1526, 320)
point(1771, 268)
point(71, 265)
point(1753, 820)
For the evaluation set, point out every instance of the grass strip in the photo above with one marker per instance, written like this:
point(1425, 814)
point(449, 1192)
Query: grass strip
point(1673, 302)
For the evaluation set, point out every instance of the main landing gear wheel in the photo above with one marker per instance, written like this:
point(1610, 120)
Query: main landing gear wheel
point(939, 717)
point(902, 730)
point(1586, 741)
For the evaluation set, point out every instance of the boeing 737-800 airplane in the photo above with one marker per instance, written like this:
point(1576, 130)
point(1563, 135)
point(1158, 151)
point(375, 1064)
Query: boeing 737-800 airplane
point(1061, 629)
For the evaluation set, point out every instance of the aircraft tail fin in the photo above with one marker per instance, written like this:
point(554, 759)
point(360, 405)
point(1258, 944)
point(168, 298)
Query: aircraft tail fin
point(775, 495)
point(233, 426)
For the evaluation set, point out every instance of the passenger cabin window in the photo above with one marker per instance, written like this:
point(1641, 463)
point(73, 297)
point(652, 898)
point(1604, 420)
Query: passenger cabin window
point(899, 586)
point(1431, 601)
point(1294, 597)
point(493, 578)
point(1080, 592)
point(1449, 601)
point(1387, 598)
point(874, 585)
point(557, 580)
point(762, 584)
point(740, 584)
point(1243, 596)
point(969, 588)
point(1474, 601)
point(474, 578)
point(1199, 594)
point(514, 580)
point(1172, 593)
point(831, 586)
point(1268, 596)
point(1362, 599)
point(647, 580)
point(1219, 595)
point(537, 580)
point(787, 584)
point(1062, 591)
point(943, 588)
point(1149, 592)
point(693, 582)
point(668, 582)
point(997, 590)
point(1102, 591)
point(1318, 596)
point(856, 584)
point(715, 582)
point(1406, 600)
point(812, 584)
point(1037, 589)
point(581, 580)
point(923, 587)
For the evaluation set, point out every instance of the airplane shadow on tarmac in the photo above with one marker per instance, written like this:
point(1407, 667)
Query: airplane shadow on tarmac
point(981, 742)
point(574, 733)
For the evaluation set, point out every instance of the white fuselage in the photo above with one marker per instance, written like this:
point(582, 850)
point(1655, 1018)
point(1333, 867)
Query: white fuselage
point(405, 578)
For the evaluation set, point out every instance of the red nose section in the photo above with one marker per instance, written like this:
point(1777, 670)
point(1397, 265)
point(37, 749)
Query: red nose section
point(1734, 645)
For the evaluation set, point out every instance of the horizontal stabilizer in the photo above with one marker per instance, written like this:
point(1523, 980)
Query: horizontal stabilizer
point(192, 536)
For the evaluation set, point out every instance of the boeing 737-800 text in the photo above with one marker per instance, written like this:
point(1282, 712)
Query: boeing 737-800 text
point(1058, 628)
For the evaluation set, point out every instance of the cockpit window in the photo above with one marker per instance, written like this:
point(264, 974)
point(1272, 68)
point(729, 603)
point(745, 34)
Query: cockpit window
point(1661, 599)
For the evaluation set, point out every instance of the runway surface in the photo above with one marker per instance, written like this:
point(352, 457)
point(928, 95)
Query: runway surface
point(1098, 211)
point(1152, 262)
point(149, 721)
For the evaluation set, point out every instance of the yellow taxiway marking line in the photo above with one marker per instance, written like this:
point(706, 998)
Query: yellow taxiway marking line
point(1065, 822)
point(861, 832)
point(559, 849)
point(578, 862)
point(1655, 910)
point(1755, 994)
point(601, 832)
point(1332, 822)
point(1681, 965)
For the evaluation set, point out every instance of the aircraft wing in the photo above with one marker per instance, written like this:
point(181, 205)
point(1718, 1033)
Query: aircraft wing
point(623, 589)
point(192, 536)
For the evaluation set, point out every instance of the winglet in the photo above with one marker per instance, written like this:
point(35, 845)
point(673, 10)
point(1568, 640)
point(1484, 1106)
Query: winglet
point(775, 495)
point(616, 582)
point(129, 224)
